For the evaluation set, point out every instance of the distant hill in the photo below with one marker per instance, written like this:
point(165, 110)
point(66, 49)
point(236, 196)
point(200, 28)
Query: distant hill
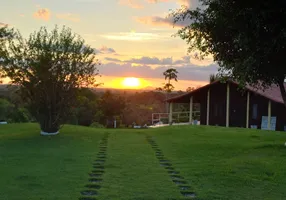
point(4, 89)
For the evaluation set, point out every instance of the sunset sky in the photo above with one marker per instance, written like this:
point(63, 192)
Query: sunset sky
point(132, 38)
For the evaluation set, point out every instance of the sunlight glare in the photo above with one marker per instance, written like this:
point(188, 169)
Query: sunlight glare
point(131, 82)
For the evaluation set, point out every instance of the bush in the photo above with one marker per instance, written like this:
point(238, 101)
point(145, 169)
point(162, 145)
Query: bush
point(96, 125)
point(164, 120)
point(183, 119)
point(20, 115)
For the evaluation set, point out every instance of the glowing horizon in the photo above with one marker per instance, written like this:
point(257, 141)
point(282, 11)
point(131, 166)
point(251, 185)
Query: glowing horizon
point(138, 45)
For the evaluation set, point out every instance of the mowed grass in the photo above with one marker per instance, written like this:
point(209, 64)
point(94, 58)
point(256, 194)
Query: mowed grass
point(227, 163)
point(40, 167)
point(218, 163)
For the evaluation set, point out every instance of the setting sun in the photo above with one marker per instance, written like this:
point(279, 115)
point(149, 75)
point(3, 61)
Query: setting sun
point(131, 82)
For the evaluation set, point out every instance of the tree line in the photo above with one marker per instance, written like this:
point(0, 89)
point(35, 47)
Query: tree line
point(92, 108)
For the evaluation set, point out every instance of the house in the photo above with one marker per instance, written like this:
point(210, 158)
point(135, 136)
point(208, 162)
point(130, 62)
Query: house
point(225, 104)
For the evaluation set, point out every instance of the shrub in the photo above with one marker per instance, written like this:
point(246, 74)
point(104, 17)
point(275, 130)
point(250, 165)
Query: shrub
point(96, 125)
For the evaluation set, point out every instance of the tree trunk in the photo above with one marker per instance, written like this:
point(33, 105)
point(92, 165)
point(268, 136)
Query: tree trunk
point(49, 125)
point(282, 90)
point(166, 103)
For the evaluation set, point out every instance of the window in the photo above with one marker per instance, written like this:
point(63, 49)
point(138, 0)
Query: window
point(254, 111)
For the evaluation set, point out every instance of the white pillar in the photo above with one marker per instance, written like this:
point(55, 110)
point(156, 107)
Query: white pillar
point(227, 106)
point(191, 110)
point(269, 115)
point(247, 110)
point(208, 107)
point(171, 112)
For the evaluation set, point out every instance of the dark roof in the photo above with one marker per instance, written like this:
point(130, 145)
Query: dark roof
point(273, 93)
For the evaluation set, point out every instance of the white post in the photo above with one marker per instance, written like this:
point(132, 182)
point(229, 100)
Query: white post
point(269, 115)
point(171, 113)
point(191, 110)
point(227, 106)
point(247, 110)
point(208, 107)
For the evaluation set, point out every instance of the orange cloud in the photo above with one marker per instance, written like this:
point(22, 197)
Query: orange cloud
point(131, 3)
point(2, 24)
point(69, 17)
point(133, 36)
point(43, 13)
point(156, 1)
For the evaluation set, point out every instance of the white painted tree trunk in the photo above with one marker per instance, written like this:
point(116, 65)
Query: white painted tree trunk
point(48, 134)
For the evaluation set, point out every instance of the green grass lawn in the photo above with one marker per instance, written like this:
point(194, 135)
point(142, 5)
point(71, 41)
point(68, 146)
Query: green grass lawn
point(217, 163)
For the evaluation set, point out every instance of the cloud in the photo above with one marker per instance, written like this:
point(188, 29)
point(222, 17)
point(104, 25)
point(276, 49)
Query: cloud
point(104, 50)
point(112, 59)
point(132, 3)
point(169, 20)
point(3, 24)
point(42, 13)
point(88, 1)
point(186, 72)
point(161, 21)
point(69, 17)
point(184, 60)
point(153, 60)
point(156, 1)
point(139, 4)
point(133, 36)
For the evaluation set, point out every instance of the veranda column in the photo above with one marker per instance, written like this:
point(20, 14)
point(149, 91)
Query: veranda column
point(247, 110)
point(227, 106)
point(269, 115)
point(208, 107)
point(191, 109)
point(171, 112)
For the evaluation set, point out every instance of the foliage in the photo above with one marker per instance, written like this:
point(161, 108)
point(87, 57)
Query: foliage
point(5, 109)
point(49, 67)
point(247, 40)
point(111, 105)
point(96, 125)
point(214, 77)
point(20, 115)
point(13, 113)
point(86, 107)
point(169, 74)
point(140, 106)
point(190, 89)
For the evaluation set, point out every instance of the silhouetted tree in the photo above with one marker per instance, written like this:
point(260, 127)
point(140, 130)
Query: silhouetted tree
point(169, 74)
point(214, 77)
point(49, 67)
point(247, 40)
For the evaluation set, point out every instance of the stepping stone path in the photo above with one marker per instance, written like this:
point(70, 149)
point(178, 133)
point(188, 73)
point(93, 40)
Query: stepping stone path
point(96, 175)
point(184, 188)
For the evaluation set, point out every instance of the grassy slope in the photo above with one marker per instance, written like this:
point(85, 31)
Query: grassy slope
point(227, 163)
point(37, 167)
point(219, 163)
point(133, 172)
